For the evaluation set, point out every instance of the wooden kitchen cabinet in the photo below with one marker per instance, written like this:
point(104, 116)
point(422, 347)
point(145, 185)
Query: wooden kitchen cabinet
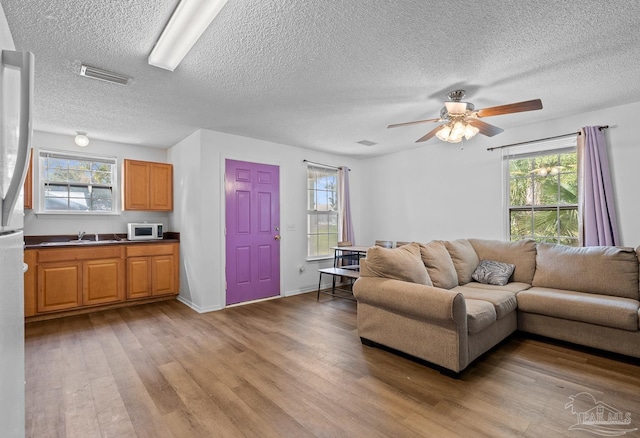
point(69, 278)
point(138, 277)
point(30, 293)
point(161, 186)
point(148, 186)
point(28, 184)
point(102, 281)
point(59, 286)
point(152, 270)
point(163, 275)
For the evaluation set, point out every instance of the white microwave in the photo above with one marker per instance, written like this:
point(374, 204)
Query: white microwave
point(146, 231)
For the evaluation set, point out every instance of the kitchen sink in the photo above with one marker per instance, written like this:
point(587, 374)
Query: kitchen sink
point(79, 242)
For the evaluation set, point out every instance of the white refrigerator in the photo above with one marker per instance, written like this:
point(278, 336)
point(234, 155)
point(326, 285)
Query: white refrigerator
point(16, 96)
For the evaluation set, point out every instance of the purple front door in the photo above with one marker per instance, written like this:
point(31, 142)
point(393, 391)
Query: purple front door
point(252, 231)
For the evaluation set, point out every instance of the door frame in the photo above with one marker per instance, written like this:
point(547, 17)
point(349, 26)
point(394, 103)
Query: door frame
point(223, 210)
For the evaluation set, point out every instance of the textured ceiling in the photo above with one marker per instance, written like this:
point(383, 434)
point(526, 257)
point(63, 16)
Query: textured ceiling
point(324, 74)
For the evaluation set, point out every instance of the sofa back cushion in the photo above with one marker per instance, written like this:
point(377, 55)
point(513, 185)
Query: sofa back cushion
point(439, 265)
point(522, 254)
point(464, 259)
point(402, 264)
point(607, 270)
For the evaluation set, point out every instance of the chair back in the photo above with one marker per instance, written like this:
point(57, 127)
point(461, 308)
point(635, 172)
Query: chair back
point(384, 243)
point(400, 243)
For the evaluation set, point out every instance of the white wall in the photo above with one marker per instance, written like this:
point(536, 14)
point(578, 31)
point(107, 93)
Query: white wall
point(42, 224)
point(438, 191)
point(198, 177)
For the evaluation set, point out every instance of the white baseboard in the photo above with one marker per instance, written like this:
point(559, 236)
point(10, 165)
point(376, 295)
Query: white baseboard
point(197, 308)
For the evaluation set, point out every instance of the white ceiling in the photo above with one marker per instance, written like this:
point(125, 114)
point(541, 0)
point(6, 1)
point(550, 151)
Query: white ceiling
point(325, 74)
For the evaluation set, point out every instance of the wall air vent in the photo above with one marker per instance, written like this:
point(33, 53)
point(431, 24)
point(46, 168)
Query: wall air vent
point(103, 75)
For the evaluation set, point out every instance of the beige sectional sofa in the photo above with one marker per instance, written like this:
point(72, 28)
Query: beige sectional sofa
point(422, 300)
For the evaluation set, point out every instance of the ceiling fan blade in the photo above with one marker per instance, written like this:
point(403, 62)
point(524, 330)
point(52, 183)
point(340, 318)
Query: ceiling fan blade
point(518, 107)
point(429, 134)
point(413, 123)
point(485, 128)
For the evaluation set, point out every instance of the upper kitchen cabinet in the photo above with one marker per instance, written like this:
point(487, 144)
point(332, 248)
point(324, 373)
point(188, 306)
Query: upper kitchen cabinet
point(148, 186)
point(28, 184)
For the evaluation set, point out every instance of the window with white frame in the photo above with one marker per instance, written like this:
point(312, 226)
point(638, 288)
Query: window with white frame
point(74, 183)
point(322, 211)
point(543, 196)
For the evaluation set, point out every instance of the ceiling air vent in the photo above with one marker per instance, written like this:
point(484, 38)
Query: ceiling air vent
point(103, 75)
point(367, 143)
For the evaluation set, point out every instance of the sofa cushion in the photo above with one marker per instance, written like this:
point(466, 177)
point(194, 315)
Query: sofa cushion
point(492, 272)
point(503, 301)
point(591, 308)
point(439, 264)
point(522, 254)
point(480, 315)
point(402, 263)
point(464, 258)
point(509, 287)
point(606, 270)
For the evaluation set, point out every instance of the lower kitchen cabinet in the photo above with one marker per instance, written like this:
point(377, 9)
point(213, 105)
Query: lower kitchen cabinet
point(103, 281)
point(68, 279)
point(152, 270)
point(30, 281)
point(163, 275)
point(59, 286)
point(138, 277)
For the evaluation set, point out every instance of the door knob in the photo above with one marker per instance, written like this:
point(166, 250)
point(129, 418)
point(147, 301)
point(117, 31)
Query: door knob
point(277, 237)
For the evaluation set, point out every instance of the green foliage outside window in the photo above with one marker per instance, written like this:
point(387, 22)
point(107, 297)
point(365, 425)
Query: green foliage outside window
point(543, 198)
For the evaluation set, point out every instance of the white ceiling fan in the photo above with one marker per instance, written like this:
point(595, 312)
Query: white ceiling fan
point(463, 120)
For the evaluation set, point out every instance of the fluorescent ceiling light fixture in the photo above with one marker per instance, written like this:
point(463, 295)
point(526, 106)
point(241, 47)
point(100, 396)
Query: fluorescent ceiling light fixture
point(188, 22)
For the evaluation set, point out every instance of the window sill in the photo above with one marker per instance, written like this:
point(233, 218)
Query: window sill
point(75, 214)
point(320, 259)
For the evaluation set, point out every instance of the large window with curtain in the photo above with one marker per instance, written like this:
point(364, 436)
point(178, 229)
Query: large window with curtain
point(323, 215)
point(542, 195)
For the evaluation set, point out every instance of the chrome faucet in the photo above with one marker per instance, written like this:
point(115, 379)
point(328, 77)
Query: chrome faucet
point(80, 235)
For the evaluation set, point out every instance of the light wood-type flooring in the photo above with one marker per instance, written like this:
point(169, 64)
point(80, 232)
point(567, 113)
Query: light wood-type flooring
point(294, 367)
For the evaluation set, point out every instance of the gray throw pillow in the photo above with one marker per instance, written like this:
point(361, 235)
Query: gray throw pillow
point(492, 272)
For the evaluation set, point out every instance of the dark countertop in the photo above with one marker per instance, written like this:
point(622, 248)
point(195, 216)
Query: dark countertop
point(68, 240)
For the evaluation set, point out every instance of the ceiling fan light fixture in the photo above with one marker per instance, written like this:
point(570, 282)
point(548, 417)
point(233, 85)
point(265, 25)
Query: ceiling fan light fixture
point(443, 133)
point(456, 108)
point(187, 24)
point(463, 120)
point(470, 131)
point(454, 131)
point(457, 131)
